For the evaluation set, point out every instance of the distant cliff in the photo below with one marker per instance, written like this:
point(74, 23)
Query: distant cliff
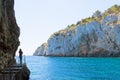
point(98, 36)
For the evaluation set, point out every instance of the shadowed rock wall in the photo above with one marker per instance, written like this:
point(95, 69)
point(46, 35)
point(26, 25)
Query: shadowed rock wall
point(9, 33)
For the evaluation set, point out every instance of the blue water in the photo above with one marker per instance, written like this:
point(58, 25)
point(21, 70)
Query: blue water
point(73, 68)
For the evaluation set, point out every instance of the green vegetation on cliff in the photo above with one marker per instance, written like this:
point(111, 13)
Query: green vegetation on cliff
point(112, 10)
point(97, 16)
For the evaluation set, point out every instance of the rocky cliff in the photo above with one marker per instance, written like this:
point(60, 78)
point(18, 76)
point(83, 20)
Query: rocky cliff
point(9, 33)
point(9, 42)
point(98, 35)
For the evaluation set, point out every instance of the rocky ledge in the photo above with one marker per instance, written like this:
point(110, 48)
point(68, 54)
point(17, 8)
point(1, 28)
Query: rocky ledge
point(98, 36)
point(9, 33)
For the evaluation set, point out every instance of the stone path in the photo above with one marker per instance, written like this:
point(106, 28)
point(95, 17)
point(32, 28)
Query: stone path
point(11, 72)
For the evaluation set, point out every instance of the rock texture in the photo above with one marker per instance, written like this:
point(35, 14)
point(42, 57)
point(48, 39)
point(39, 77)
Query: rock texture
point(41, 50)
point(23, 74)
point(9, 42)
point(97, 36)
point(9, 33)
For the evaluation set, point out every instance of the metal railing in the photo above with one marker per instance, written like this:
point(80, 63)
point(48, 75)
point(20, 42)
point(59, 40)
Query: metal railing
point(18, 59)
point(11, 72)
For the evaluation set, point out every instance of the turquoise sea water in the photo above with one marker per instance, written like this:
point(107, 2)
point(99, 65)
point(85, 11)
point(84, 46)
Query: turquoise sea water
point(73, 68)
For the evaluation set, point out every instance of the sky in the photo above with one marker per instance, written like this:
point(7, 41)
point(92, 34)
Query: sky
point(38, 19)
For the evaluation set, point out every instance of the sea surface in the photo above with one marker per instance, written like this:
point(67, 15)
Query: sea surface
point(73, 68)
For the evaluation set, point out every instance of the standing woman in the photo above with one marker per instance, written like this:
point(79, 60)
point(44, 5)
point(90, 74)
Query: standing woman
point(20, 56)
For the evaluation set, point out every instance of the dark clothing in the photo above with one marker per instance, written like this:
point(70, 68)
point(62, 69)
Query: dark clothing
point(20, 55)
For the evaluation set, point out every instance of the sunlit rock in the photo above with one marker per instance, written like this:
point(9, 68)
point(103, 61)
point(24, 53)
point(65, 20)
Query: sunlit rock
point(97, 36)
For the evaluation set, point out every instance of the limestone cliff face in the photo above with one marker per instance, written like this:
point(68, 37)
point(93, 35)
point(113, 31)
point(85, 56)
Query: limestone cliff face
point(9, 33)
point(41, 50)
point(95, 36)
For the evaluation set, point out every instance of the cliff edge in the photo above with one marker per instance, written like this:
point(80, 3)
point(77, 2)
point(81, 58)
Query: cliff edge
point(98, 36)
